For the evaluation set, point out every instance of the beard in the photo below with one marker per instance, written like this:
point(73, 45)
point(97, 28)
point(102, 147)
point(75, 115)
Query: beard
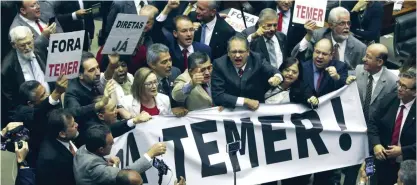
point(26, 56)
point(339, 38)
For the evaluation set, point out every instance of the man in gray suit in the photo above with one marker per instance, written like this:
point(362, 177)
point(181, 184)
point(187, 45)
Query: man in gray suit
point(90, 158)
point(346, 48)
point(36, 15)
point(374, 81)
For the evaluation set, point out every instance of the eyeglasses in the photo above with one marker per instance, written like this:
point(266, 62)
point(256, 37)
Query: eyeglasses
point(343, 23)
point(150, 84)
point(403, 86)
point(241, 52)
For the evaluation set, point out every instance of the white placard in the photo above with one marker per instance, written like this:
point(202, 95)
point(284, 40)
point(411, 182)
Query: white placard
point(64, 54)
point(305, 10)
point(235, 19)
point(125, 34)
point(278, 141)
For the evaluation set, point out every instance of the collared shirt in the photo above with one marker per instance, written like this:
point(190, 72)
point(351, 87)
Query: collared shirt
point(137, 4)
point(67, 145)
point(33, 24)
point(285, 20)
point(209, 31)
point(28, 72)
point(342, 48)
point(277, 48)
point(316, 75)
point(376, 77)
point(405, 114)
point(190, 49)
point(74, 15)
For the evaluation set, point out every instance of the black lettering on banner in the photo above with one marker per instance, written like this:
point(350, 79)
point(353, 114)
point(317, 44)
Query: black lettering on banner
point(270, 136)
point(175, 134)
point(64, 45)
point(345, 141)
point(134, 152)
point(119, 23)
point(140, 25)
point(121, 46)
point(206, 149)
point(313, 134)
point(247, 130)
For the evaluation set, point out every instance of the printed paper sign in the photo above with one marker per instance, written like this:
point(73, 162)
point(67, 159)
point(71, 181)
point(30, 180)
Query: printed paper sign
point(235, 19)
point(305, 10)
point(125, 34)
point(64, 55)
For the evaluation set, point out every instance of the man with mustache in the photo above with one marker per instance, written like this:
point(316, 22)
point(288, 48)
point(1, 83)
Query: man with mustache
point(349, 49)
point(193, 86)
point(241, 78)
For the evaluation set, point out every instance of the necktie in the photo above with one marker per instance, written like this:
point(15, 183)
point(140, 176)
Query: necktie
point(397, 128)
point(279, 24)
point(39, 25)
point(240, 72)
point(184, 54)
point(336, 52)
point(165, 86)
point(72, 150)
point(188, 9)
point(272, 55)
point(319, 80)
point(203, 33)
point(368, 98)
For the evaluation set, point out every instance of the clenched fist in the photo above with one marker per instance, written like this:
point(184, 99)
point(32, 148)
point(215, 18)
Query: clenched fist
point(333, 72)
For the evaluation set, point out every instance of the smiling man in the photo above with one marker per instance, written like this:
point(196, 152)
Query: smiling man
point(349, 49)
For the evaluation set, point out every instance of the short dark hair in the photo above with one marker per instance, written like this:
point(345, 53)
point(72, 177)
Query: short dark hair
point(57, 121)
point(96, 137)
point(180, 18)
point(240, 38)
point(289, 62)
point(27, 91)
point(196, 59)
point(18, 4)
point(84, 57)
point(407, 172)
point(383, 56)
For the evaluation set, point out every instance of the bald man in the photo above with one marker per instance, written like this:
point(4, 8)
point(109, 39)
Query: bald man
point(128, 177)
point(374, 81)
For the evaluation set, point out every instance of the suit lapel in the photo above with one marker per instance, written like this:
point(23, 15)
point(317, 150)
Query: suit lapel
point(349, 52)
point(27, 25)
point(281, 45)
point(217, 28)
point(362, 83)
point(197, 35)
point(61, 149)
point(178, 54)
point(411, 117)
point(379, 86)
point(263, 48)
point(310, 73)
point(131, 4)
point(17, 68)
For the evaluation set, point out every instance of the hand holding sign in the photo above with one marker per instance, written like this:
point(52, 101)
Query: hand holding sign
point(61, 84)
point(157, 149)
point(81, 12)
point(333, 72)
point(113, 59)
point(182, 181)
point(173, 4)
point(51, 29)
point(142, 117)
point(251, 104)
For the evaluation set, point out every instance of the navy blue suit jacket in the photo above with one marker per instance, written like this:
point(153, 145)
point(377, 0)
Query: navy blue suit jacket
point(327, 84)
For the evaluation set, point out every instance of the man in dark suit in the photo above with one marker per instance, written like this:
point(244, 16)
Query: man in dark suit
point(242, 77)
point(267, 40)
point(82, 90)
point(184, 8)
point(26, 61)
point(55, 162)
point(392, 129)
point(323, 75)
point(214, 31)
point(35, 104)
point(159, 60)
point(184, 45)
point(74, 16)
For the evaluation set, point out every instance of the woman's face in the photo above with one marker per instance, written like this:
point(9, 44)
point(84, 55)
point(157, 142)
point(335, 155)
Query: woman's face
point(151, 86)
point(290, 74)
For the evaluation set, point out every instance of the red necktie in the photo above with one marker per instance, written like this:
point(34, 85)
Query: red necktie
point(397, 128)
point(39, 25)
point(279, 25)
point(240, 72)
point(184, 54)
point(319, 80)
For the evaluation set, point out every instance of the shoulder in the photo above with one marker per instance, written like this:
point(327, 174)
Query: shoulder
point(9, 60)
point(358, 45)
point(175, 72)
point(224, 25)
point(221, 62)
point(200, 47)
point(183, 77)
point(162, 97)
point(390, 76)
point(338, 64)
point(47, 151)
point(319, 33)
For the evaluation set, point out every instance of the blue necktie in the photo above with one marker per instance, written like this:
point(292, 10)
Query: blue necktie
point(203, 33)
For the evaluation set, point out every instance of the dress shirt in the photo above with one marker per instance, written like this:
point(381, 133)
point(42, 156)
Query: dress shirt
point(52, 101)
point(342, 48)
point(316, 75)
point(190, 50)
point(137, 4)
point(376, 77)
point(74, 16)
point(405, 114)
point(277, 96)
point(67, 145)
point(277, 48)
point(285, 21)
point(27, 70)
point(209, 30)
point(34, 25)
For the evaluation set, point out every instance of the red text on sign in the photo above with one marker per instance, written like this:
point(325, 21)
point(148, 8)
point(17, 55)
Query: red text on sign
point(63, 68)
point(310, 13)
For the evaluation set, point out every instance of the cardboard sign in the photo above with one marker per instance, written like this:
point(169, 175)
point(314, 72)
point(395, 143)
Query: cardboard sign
point(305, 10)
point(235, 19)
point(64, 55)
point(125, 34)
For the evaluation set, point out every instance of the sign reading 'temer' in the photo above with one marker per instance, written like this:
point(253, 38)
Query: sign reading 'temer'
point(305, 10)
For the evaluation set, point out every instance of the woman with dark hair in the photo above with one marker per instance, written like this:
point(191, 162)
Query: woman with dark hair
point(292, 88)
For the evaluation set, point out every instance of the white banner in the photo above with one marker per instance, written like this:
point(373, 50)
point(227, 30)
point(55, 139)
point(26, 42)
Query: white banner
point(64, 55)
point(125, 34)
point(235, 19)
point(305, 10)
point(278, 141)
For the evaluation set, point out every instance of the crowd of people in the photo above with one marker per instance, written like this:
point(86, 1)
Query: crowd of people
point(189, 58)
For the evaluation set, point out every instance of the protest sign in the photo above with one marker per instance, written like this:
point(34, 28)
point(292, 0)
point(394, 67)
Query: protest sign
point(277, 141)
point(305, 10)
point(64, 55)
point(235, 19)
point(125, 34)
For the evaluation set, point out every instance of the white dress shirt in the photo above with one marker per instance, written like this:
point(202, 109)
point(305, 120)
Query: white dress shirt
point(190, 50)
point(278, 53)
point(209, 31)
point(376, 77)
point(342, 48)
point(67, 144)
point(34, 25)
point(32, 71)
point(74, 16)
point(405, 114)
point(137, 4)
point(285, 20)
